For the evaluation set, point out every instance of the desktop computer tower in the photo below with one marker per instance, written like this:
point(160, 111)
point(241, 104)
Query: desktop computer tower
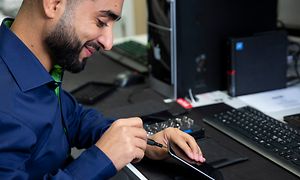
point(188, 40)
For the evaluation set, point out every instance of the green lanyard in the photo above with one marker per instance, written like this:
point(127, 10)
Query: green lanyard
point(8, 23)
point(56, 74)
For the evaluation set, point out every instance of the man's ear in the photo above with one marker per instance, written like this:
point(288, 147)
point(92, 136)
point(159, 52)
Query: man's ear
point(53, 8)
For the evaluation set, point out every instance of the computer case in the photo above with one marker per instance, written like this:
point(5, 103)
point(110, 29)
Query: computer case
point(258, 63)
point(187, 40)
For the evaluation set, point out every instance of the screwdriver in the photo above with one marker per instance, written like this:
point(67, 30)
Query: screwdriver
point(151, 142)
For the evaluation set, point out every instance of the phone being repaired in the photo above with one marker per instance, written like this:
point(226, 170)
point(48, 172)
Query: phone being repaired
point(204, 170)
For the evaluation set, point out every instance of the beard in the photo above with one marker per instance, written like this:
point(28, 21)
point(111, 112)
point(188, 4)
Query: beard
point(64, 47)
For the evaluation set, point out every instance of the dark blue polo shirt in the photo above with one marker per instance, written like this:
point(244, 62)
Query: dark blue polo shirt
point(33, 144)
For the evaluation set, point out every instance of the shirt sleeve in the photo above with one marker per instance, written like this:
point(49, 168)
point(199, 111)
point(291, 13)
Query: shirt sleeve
point(17, 141)
point(91, 164)
point(95, 163)
point(85, 125)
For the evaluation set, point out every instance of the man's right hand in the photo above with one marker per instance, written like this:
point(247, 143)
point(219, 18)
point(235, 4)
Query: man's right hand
point(125, 141)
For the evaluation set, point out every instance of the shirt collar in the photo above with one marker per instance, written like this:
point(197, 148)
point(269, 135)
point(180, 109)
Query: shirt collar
point(27, 70)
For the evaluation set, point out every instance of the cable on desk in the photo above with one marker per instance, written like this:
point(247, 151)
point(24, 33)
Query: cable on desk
point(192, 97)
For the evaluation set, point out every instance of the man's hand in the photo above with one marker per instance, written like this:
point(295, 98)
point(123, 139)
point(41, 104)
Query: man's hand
point(175, 136)
point(125, 141)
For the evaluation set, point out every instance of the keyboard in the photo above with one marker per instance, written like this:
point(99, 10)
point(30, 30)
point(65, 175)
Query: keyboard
point(269, 137)
point(131, 54)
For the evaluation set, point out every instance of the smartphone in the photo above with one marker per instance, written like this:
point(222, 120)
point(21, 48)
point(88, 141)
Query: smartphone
point(90, 92)
point(182, 158)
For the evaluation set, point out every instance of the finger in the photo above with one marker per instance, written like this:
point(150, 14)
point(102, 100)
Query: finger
point(192, 144)
point(139, 154)
point(137, 136)
point(182, 144)
point(141, 144)
point(188, 144)
point(197, 153)
point(133, 121)
point(139, 133)
point(198, 156)
point(201, 157)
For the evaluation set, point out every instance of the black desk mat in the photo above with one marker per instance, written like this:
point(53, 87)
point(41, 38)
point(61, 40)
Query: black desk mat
point(215, 155)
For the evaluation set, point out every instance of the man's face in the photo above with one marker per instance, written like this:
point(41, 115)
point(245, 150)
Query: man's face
point(83, 29)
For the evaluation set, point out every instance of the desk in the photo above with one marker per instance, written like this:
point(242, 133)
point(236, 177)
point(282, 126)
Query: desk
point(101, 69)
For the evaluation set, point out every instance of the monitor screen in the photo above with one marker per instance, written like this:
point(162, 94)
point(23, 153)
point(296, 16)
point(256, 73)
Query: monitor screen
point(159, 39)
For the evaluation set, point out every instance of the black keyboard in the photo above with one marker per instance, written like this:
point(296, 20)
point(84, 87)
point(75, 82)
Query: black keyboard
point(269, 137)
point(131, 54)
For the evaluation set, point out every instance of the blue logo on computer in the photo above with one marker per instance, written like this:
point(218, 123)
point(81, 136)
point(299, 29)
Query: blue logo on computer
point(239, 46)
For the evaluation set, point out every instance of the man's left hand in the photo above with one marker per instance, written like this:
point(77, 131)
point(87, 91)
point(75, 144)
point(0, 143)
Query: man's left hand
point(174, 136)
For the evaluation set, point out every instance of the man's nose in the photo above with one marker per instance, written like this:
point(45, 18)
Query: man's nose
point(106, 39)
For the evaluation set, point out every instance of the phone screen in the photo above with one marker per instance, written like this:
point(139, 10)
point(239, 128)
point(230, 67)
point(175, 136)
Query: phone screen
point(180, 156)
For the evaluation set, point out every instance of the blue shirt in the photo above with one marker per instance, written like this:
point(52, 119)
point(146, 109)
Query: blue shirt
point(33, 144)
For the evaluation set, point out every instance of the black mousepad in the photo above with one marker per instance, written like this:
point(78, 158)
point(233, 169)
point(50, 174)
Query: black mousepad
point(217, 155)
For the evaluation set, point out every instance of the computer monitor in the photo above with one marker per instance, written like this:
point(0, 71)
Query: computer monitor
point(289, 15)
point(188, 39)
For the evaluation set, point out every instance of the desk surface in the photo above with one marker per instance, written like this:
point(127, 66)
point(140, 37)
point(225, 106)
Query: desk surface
point(101, 69)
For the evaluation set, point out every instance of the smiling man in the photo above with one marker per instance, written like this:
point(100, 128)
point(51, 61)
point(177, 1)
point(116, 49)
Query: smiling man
point(40, 122)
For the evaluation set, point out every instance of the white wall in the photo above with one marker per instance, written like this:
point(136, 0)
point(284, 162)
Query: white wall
point(10, 7)
point(289, 12)
point(126, 26)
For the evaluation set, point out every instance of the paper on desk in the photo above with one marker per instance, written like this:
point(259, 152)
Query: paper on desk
point(272, 101)
point(210, 98)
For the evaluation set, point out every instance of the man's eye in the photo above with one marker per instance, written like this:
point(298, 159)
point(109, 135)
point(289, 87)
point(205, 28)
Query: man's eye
point(101, 24)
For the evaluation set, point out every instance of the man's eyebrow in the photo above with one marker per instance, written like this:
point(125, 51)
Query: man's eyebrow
point(110, 14)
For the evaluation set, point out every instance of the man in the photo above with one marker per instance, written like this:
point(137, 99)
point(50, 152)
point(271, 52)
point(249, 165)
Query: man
point(39, 121)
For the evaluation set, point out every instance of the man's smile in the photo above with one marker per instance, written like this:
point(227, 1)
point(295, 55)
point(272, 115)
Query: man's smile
point(89, 50)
